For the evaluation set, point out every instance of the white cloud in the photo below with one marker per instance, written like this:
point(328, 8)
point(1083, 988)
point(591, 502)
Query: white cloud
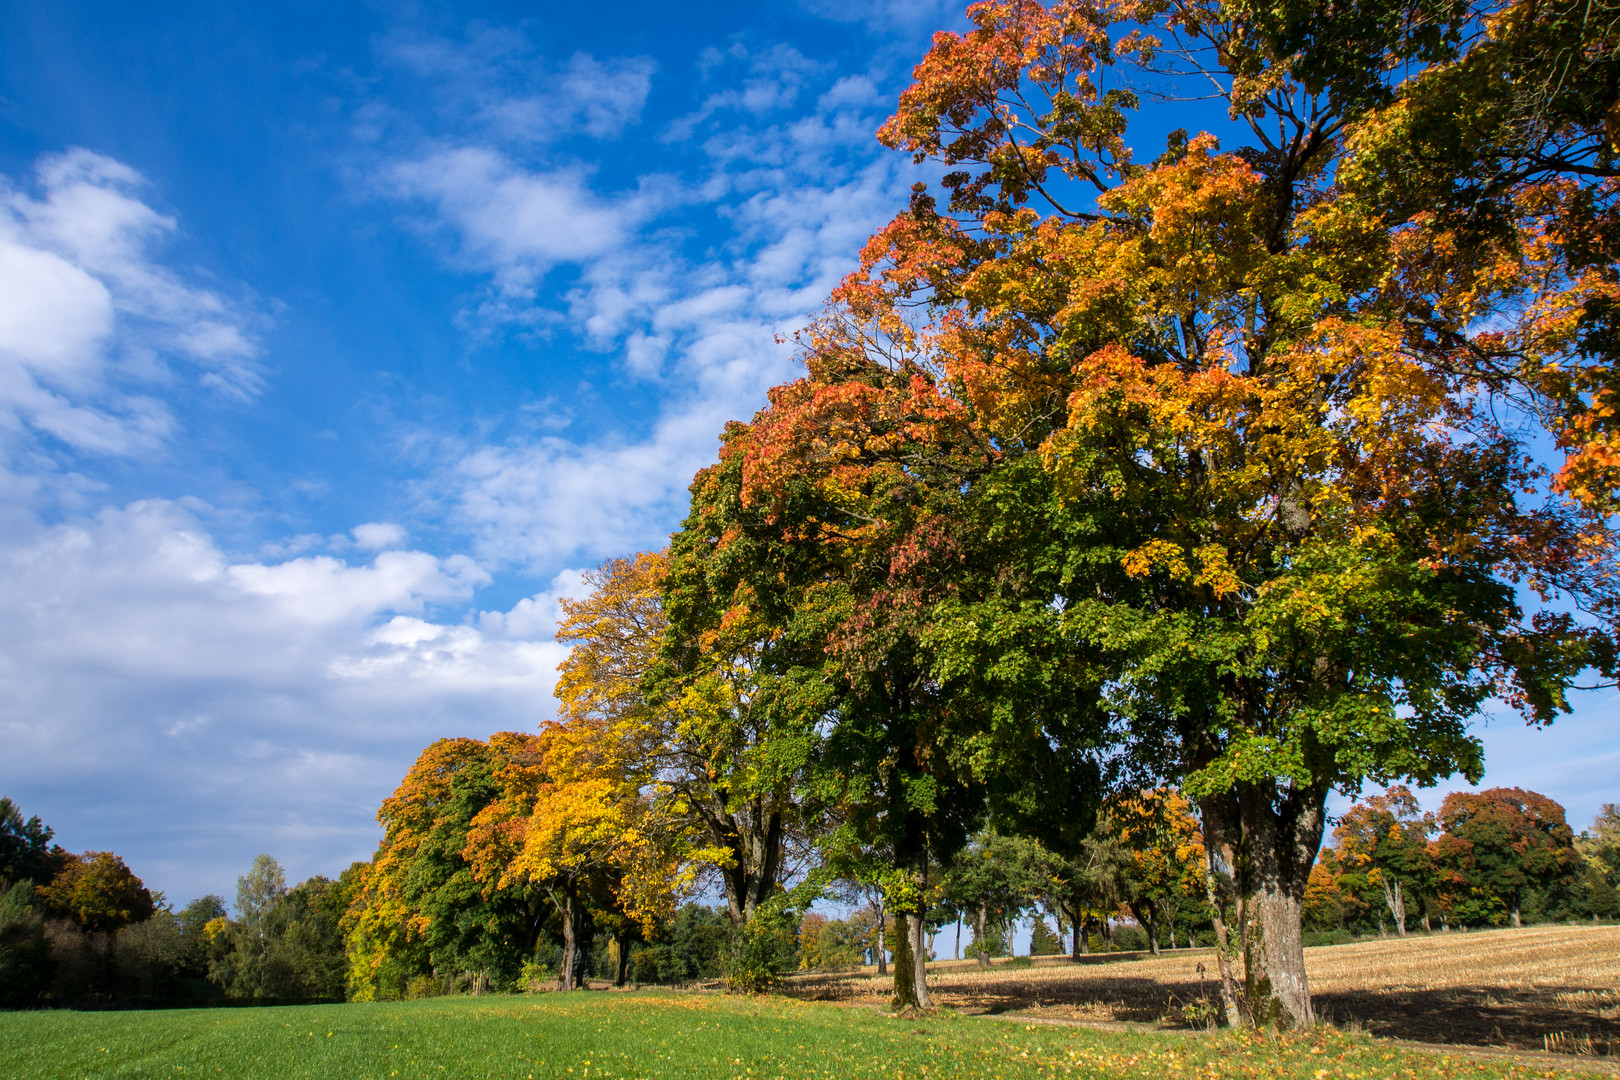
point(494, 79)
point(153, 680)
point(517, 224)
point(793, 203)
point(88, 317)
point(377, 535)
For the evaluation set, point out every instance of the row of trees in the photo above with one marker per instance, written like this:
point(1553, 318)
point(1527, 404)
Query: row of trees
point(1217, 469)
point(83, 929)
point(1486, 858)
point(1248, 472)
point(1221, 470)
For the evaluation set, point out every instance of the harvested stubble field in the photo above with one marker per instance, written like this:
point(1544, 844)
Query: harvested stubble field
point(1544, 987)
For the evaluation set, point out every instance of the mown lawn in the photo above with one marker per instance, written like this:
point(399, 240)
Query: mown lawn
point(586, 1036)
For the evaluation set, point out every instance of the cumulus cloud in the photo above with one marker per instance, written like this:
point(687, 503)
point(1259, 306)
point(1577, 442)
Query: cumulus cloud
point(160, 682)
point(90, 321)
point(784, 192)
point(516, 223)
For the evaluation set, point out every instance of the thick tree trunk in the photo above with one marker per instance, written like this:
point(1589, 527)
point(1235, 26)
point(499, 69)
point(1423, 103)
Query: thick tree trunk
point(905, 980)
point(753, 837)
point(1279, 830)
point(1516, 923)
point(978, 936)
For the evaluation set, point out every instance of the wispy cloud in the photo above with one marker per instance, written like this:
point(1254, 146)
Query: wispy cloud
point(90, 321)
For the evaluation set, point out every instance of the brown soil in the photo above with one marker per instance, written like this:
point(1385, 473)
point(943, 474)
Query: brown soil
point(1550, 987)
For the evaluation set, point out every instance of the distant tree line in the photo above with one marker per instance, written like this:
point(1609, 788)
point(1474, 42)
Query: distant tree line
point(83, 930)
point(1502, 856)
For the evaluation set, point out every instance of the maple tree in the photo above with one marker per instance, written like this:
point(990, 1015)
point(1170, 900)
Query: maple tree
point(1499, 846)
point(1386, 838)
point(1250, 484)
point(689, 732)
point(97, 891)
point(1163, 858)
point(422, 905)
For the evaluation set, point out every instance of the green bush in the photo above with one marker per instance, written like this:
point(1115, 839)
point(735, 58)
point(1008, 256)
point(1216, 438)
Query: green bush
point(766, 948)
point(422, 986)
point(1129, 937)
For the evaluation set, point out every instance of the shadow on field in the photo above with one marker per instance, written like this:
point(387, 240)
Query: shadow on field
point(1518, 1017)
point(1578, 1020)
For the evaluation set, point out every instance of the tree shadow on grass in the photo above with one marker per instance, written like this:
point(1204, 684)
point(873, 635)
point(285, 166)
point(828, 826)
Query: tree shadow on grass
point(1518, 1017)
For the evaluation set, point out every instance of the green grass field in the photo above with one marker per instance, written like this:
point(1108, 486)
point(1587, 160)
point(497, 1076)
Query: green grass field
point(586, 1036)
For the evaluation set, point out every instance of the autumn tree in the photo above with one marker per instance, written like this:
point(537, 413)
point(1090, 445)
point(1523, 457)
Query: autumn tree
point(835, 522)
point(693, 721)
point(1237, 403)
point(1499, 848)
point(422, 908)
point(1386, 836)
point(595, 838)
point(98, 892)
point(1163, 864)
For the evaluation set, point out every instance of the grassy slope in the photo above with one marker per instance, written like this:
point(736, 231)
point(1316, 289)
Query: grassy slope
point(586, 1036)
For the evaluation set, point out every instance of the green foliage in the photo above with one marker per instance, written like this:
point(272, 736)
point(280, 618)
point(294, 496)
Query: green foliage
point(1042, 941)
point(694, 948)
point(25, 961)
point(98, 892)
point(762, 951)
point(26, 853)
point(285, 944)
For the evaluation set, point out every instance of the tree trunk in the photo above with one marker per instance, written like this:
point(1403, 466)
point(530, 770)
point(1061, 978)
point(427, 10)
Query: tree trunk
point(1172, 935)
point(1279, 830)
point(978, 936)
point(1214, 841)
point(1085, 938)
point(623, 976)
point(905, 980)
point(752, 835)
point(956, 950)
point(918, 926)
point(1516, 923)
point(1395, 900)
point(566, 905)
point(883, 944)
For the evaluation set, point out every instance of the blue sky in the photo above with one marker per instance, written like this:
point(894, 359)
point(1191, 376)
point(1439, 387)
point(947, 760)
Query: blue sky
point(335, 340)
